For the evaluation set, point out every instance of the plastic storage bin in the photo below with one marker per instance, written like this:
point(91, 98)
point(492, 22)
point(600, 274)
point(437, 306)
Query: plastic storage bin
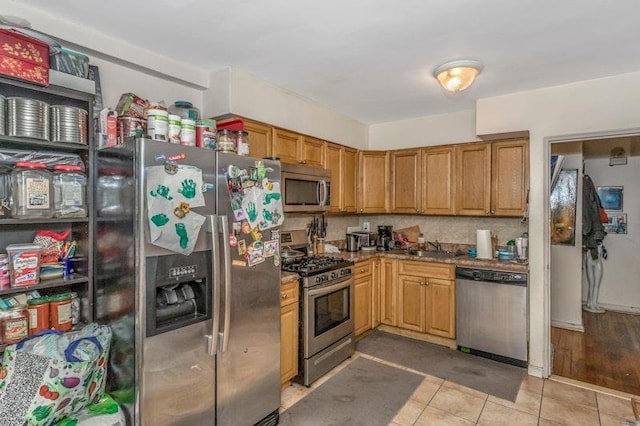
point(70, 62)
point(69, 189)
point(32, 191)
point(24, 264)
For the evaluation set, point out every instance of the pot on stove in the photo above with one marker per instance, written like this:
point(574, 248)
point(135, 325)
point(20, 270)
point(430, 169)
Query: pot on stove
point(289, 256)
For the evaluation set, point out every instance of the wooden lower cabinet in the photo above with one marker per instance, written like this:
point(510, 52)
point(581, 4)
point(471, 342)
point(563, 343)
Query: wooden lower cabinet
point(288, 331)
point(426, 298)
point(387, 284)
point(363, 297)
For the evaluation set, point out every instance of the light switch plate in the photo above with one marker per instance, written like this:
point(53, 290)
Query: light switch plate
point(366, 226)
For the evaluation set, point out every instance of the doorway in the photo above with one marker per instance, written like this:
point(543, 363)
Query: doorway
point(592, 347)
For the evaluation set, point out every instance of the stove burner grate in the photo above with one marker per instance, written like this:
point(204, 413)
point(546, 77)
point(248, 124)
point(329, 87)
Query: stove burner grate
point(316, 264)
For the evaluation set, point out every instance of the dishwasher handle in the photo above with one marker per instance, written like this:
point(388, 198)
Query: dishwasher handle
point(501, 277)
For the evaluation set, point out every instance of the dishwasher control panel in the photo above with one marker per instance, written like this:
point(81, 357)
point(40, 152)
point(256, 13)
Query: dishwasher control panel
point(492, 276)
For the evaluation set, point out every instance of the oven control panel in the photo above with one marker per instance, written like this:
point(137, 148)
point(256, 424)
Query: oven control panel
point(329, 276)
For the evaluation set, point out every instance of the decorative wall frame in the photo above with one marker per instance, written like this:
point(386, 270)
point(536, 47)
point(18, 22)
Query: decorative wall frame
point(617, 223)
point(611, 197)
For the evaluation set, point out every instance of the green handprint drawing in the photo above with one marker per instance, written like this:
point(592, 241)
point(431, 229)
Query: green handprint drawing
point(272, 196)
point(162, 191)
point(267, 215)
point(188, 188)
point(181, 230)
point(160, 219)
point(252, 214)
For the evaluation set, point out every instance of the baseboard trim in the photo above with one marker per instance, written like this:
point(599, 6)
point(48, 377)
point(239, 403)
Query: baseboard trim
point(443, 341)
point(620, 308)
point(534, 370)
point(568, 325)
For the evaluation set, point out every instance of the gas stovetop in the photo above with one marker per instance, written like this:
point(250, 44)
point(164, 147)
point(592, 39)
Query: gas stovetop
point(313, 265)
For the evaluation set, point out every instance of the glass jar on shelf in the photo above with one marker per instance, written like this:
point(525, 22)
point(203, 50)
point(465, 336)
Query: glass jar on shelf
point(69, 191)
point(32, 190)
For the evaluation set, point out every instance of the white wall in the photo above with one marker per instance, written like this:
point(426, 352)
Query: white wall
point(619, 288)
point(260, 100)
point(442, 129)
point(566, 264)
point(603, 105)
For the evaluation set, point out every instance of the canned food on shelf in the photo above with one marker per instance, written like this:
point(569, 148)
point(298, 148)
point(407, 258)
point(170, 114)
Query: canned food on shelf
point(15, 325)
point(60, 312)
point(38, 309)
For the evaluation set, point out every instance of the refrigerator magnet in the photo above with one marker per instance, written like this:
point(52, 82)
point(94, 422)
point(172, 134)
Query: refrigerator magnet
point(271, 248)
point(237, 228)
point(246, 228)
point(275, 234)
point(233, 241)
point(242, 247)
point(236, 262)
point(256, 234)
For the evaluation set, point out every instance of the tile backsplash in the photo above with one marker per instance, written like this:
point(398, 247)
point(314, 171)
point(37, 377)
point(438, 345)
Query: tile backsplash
point(446, 229)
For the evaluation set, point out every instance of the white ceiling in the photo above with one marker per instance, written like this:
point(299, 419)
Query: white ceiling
point(372, 59)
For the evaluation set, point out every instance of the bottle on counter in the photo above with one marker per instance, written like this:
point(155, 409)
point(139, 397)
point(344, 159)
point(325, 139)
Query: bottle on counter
point(422, 243)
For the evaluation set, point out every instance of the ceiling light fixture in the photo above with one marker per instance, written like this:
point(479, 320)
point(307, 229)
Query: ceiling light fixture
point(456, 76)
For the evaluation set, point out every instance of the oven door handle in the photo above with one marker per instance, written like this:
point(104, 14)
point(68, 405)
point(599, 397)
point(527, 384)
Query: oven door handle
point(326, 289)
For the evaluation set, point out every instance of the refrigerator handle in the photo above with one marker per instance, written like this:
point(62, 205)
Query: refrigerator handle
point(224, 224)
point(212, 340)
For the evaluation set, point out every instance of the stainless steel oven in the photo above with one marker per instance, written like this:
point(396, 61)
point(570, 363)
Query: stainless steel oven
point(328, 314)
point(326, 327)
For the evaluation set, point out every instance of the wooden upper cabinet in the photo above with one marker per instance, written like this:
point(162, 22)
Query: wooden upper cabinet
point(373, 176)
point(286, 145)
point(473, 174)
point(259, 138)
point(438, 180)
point(405, 191)
point(492, 178)
point(312, 151)
point(349, 177)
point(342, 163)
point(509, 177)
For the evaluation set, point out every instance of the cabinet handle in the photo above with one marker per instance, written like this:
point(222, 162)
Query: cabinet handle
point(486, 212)
point(427, 282)
point(493, 212)
point(417, 210)
point(361, 270)
point(283, 295)
point(302, 162)
point(421, 283)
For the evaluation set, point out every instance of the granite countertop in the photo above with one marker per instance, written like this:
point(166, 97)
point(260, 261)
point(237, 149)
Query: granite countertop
point(463, 260)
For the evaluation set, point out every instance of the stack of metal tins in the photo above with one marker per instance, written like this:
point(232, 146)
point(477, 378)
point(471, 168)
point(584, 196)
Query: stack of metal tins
point(2, 114)
point(68, 124)
point(28, 118)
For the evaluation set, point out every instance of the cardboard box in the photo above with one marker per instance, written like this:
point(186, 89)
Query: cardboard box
point(23, 57)
point(131, 105)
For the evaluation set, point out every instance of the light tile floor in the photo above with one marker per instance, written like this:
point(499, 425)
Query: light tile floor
point(539, 402)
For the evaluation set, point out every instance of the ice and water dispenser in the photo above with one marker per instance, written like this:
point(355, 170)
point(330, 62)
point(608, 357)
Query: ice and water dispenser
point(178, 291)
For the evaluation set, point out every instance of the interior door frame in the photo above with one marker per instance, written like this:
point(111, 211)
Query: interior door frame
point(577, 137)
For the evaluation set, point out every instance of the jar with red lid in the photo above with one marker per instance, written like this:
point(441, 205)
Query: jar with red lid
point(15, 325)
point(32, 190)
point(69, 191)
point(60, 311)
point(38, 309)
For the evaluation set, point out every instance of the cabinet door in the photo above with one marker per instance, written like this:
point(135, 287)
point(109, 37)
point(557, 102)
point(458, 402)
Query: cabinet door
point(440, 310)
point(411, 302)
point(312, 151)
point(363, 294)
point(373, 175)
point(438, 178)
point(375, 278)
point(333, 162)
point(349, 161)
point(259, 138)
point(288, 342)
point(509, 177)
point(286, 145)
point(473, 173)
point(388, 292)
point(405, 181)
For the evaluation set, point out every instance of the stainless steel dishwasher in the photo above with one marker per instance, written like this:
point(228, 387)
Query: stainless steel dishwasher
point(492, 314)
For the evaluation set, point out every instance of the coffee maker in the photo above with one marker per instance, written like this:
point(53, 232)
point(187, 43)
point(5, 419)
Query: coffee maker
point(385, 237)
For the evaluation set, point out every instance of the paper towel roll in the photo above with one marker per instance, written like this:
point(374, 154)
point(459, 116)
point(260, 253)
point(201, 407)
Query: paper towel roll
point(483, 244)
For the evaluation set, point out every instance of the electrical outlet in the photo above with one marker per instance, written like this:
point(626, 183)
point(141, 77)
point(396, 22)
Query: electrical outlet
point(366, 226)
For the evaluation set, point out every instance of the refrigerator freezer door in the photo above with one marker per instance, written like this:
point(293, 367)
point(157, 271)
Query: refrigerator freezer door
point(178, 378)
point(248, 361)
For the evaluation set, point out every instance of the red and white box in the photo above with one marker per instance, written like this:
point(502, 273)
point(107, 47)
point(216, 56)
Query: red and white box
point(23, 57)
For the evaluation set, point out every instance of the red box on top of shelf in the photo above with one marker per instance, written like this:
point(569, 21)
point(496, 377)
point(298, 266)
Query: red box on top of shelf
point(23, 57)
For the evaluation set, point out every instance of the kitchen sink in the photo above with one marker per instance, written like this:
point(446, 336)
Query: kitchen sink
point(433, 253)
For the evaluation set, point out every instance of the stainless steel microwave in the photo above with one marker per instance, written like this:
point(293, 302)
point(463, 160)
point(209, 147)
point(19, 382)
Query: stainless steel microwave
point(305, 188)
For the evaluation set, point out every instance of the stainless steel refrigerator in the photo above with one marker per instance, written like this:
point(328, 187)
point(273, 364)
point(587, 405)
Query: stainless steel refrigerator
point(188, 278)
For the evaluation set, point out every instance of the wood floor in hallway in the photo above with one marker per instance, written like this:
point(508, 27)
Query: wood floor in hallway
point(607, 353)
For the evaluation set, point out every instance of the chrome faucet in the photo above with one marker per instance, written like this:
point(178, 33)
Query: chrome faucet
point(435, 245)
